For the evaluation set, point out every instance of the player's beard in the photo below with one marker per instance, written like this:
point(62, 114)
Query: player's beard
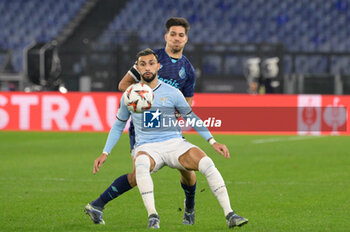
point(176, 50)
point(149, 79)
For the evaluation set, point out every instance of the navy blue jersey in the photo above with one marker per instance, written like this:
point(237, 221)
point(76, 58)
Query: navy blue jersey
point(178, 73)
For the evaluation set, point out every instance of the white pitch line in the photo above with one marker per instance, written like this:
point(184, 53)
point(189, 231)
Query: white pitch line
point(294, 138)
point(53, 179)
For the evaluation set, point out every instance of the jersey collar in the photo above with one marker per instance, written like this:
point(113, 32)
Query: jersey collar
point(171, 59)
point(158, 85)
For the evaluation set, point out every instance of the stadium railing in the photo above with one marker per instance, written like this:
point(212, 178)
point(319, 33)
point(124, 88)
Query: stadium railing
point(219, 67)
point(9, 79)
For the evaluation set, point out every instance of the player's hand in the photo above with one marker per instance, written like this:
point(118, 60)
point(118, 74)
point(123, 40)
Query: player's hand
point(98, 162)
point(222, 149)
point(177, 114)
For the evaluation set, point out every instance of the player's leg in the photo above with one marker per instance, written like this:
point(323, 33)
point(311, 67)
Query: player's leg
point(188, 184)
point(144, 164)
point(123, 183)
point(196, 159)
point(119, 186)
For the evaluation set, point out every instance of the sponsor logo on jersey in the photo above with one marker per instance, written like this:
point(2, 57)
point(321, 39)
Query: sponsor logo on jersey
point(171, 82)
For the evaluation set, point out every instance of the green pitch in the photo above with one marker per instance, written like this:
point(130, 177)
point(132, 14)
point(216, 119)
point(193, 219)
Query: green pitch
point(280, 183)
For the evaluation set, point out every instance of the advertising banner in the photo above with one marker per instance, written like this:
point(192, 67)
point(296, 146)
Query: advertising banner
point(221, 113)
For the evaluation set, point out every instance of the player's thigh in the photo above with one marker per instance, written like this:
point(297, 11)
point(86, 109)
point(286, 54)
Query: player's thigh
point(188, 177)
point(190, 159)
point(153, 163)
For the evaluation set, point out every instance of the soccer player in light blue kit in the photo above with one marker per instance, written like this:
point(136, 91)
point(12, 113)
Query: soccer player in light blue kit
point(156, 148)
point(177, 71)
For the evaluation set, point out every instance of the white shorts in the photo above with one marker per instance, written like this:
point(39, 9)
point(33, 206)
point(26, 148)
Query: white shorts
point(166, 153)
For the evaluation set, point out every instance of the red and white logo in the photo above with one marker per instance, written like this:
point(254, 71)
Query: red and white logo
point(335, 115)
point(309, 114)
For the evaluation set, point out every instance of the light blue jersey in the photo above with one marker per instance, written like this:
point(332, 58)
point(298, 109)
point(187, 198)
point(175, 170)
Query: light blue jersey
point(159, 123)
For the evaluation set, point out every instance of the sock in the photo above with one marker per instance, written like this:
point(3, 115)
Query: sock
point(190, 192)
point(216, 183)
point(145, 183)
point(117, 188)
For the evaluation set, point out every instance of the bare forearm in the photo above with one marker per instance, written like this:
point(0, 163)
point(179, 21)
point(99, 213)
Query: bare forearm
point(126, 82)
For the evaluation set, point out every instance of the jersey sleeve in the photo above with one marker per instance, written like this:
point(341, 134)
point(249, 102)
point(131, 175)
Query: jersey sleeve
point(199, 127)
point(123, 112)
point(186, 112)
point(118, 126)
point(188, 88)
point(114, 135)
point(181, 104)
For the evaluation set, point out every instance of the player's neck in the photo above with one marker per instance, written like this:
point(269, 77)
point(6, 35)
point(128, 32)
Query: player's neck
point(176, 55)
point(151, 84)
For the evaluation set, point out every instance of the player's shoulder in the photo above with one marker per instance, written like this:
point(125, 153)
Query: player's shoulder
point(162, 55)
point(168, 88)
point(159, 51)
point(187, 62)
point(185, 59)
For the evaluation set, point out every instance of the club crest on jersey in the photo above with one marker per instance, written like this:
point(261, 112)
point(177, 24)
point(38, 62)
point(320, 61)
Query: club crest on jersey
point(182, 73)
point(163, 99)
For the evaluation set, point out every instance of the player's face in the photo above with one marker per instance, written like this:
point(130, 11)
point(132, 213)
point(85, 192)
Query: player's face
point(176, 38)
point(148, 67)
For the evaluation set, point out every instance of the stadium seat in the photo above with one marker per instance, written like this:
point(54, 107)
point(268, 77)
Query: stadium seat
point(35, 20)
point(300, 25)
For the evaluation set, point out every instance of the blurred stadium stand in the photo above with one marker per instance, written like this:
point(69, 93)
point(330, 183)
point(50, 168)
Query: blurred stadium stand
point(309, 37)
point(23, 22)
point(301, 25)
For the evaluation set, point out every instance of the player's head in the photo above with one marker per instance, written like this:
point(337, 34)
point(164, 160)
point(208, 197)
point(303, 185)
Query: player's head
point(147, 64)
point(176, 33)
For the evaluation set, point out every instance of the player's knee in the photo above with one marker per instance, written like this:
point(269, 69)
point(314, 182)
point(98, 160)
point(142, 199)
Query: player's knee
point(188, 177)
point(206, 166)
point(142, 165)
point(192, 178)
point(214, 178)
point(132, 179)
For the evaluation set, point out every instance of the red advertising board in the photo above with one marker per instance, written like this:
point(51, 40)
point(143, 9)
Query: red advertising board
point(58, 112)
point(238, 113)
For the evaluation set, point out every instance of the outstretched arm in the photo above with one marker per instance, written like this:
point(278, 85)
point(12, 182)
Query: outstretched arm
point(205, 133)
point(126, 82)
point(114, 134)
point(186, 111)
point(113, 138)
point(131, 77)
point(189, 100)
point(221, 148)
